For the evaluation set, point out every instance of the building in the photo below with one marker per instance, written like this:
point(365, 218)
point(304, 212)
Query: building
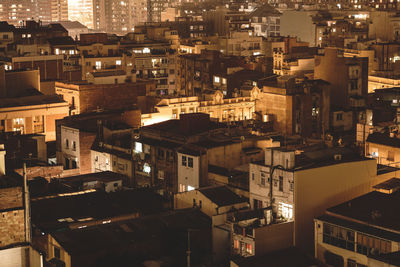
point(219, 108)
point(82, 11)
point(24, 109)
point(286, 180)
point(266, 21)
point(76, 136)
point(348, 78)
point(362, 231)
point(384, 147)
point(295, 106)
point(240, 43)
point(87, 97)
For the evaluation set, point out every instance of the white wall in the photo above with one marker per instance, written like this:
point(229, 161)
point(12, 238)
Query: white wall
point(188, 176)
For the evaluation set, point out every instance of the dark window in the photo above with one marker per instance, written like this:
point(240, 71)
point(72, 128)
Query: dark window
point(184, 161)
point(57, 253)
point(190, 162)
point(281, 183)
point(74, 165)
point(338, 236)
point(339, 116)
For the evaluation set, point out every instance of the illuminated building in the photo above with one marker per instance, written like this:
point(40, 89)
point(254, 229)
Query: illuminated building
point(302, 184)
point(82, 11)
point(119, 16)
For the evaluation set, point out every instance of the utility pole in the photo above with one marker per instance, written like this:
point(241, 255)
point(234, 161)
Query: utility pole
point(26, 208)
point(188, 248)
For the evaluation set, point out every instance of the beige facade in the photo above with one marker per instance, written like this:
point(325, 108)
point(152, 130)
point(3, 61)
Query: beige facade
point(230, 109)
point(376, 82)
point(32, 117)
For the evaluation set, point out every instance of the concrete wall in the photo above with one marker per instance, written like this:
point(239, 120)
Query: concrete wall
point(300, 24)
point(317, 189)
point(185, 200)
point(24, 256)
point(273, 237)
point(189, 176)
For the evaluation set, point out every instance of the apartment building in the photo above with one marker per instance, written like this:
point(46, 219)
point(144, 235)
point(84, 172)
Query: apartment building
point(286, 180)
point(362, 231)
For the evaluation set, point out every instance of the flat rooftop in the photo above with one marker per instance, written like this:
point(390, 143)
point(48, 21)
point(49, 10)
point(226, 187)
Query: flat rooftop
point(66, 210)
point(221, 195)
point(375, 209)
point(33, 100)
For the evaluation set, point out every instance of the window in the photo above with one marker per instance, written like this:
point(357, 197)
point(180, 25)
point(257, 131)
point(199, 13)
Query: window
point(223, 81)
point(200, 203)
point(291, 183)
point(74, 164)
point(190, 162)
point(390, 156)
point(66, 143)
point(5, 36)
point(339, 116)
point(281, 183)
point(57, 253)
point(146, 168)
point(216, 79)
point(236, 244)
point(252, 176)
point(262, 181)
point(369, 245)
point(160, 153)
point(138, 147)
point(174, 113)
point(249, 248)
point(338, 236)
point(184, 161)
point(73, 146)
point(98, 65)
point(353, 85)
point(118, 62)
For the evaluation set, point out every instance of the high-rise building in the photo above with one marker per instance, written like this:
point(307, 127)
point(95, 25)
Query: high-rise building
point(82, 11)
point(119, 16)
point(15, 12)
point(59, 10)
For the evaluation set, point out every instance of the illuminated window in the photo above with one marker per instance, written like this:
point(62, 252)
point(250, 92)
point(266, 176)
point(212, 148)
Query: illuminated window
point(118, 62)
point(146, 168)
point(216, 79)
point(138, 147)
point(249, 248)
point(286, 210)
point(223, 81)
point(190, 188)
point(98, 65)
point(236, 244)
point(146, 50)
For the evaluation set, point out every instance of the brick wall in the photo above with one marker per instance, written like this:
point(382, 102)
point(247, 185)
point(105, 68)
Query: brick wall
point(12, 223)
point(12, 227)
point(11, 198)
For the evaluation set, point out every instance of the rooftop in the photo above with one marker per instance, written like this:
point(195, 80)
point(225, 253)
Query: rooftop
point(290, 257)
point(33, 100)
point(375, 209)
point(389, 186)
point(79, 208)
point(221, 195)
point(383, 139)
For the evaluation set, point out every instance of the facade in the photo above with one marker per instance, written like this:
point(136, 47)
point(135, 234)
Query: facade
point(351, 233)
point(291, 183)
point(266, 21)
point(82, 11)
point(37, 115)
point(84, 97)
point(241, 43)
point(295, 107)
point(223, 110)
point(384, 147)
point(348, 78)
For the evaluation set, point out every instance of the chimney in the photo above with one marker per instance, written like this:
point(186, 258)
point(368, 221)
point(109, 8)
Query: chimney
point(2, 160)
